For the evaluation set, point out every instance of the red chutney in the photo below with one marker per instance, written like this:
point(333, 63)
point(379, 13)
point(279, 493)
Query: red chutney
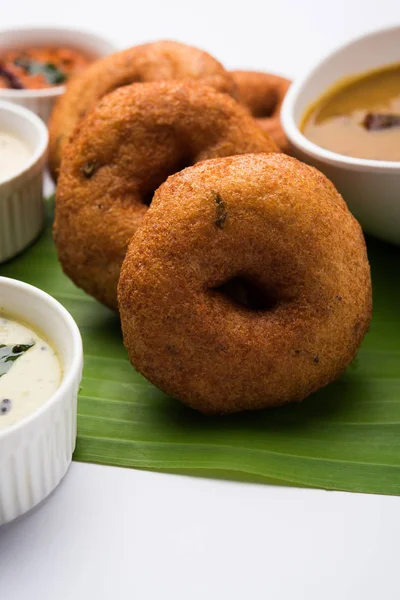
point(39, 68)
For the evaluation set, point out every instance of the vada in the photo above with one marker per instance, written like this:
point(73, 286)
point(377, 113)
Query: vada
point(263, 94)
point(247, 285)
point(155, 61)
point(118, 156)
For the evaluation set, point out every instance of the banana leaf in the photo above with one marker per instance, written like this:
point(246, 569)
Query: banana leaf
point(345, 437)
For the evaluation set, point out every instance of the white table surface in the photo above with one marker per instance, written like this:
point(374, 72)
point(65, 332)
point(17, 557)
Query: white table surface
point(110, 533)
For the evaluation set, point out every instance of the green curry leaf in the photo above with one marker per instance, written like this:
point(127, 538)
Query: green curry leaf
point(51, 72)
point(9, 354)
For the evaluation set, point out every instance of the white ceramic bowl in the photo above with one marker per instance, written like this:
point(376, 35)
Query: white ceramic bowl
point(21, 195)
point(41, 101)
point(36, 452)
point(371, 188)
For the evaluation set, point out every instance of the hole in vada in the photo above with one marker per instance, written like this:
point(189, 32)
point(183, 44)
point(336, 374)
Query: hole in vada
point(244, 292)
point(266, 111)
point(147, 198)
point(162, 175)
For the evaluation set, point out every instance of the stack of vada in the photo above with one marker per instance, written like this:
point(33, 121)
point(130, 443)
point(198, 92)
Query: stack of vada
point(240, 276)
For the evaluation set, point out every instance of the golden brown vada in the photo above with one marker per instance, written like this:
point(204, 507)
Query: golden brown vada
point(263, 94)
point(120, 153)
point(247, 285)
point(157, 61)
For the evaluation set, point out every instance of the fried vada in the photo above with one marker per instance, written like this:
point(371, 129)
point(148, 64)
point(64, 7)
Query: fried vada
point(247, 285)
point(118, 156)
point(263, 94)
point(157, 61)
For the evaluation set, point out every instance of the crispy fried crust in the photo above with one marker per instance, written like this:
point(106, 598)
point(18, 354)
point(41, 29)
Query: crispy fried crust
point(263, 94)
point(121, 152)
point(157, 61)
point(281, 226)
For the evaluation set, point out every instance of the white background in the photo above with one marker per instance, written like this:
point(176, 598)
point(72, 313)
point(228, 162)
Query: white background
point(109, 533)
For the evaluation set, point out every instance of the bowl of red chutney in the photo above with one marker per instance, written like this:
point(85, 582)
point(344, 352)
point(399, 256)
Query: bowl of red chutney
point(37, 63)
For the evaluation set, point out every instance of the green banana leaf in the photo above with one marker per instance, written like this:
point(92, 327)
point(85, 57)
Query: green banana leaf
point(345, 437)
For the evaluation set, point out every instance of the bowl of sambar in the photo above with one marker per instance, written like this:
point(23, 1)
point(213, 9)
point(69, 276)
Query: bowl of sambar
point(343, 117)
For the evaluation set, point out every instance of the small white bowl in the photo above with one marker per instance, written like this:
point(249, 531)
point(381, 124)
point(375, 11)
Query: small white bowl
point(42, 101)
point(371, 188)
point(21, 195)
point(35, 453)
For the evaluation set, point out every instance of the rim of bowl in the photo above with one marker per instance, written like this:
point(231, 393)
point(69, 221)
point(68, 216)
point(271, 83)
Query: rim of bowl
point(50, 92)
point(42, 136)
point(299, 140)
point(69, 376)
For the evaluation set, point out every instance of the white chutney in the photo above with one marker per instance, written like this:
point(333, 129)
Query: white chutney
point(14, 155)
point(30, 371)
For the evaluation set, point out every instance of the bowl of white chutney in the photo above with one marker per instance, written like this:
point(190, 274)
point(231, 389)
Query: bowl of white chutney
point(23, 146)
point(41, 361)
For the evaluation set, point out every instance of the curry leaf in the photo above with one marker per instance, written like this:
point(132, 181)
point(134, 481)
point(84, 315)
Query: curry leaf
point(9, 354)
point(51, 72)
